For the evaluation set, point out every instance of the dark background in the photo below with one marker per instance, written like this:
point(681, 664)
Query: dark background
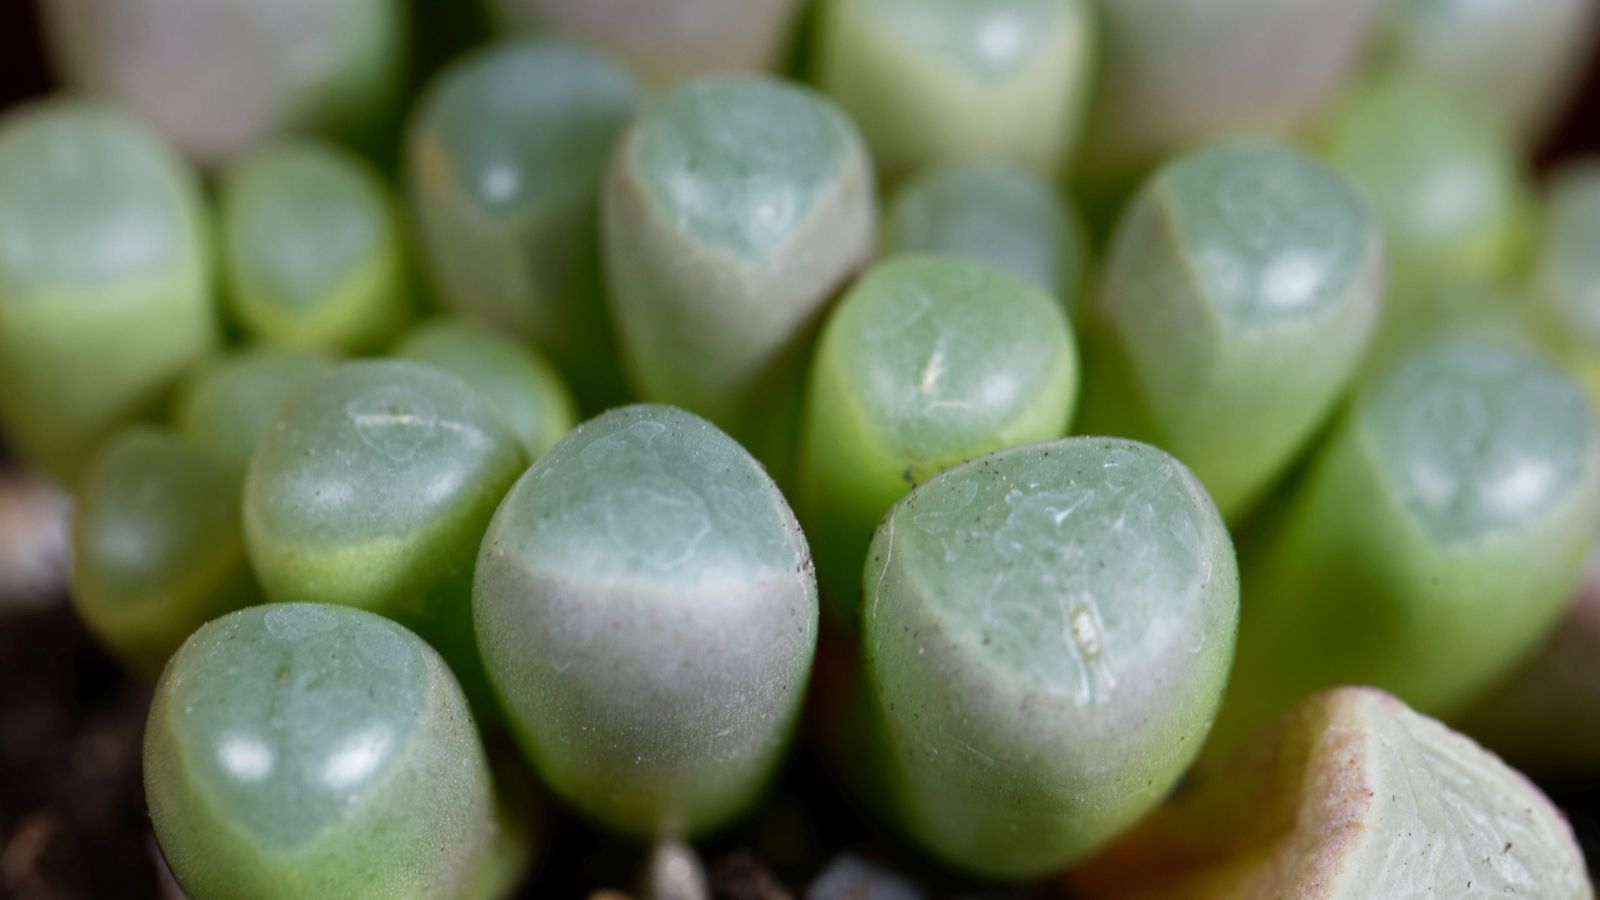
point(72, 820)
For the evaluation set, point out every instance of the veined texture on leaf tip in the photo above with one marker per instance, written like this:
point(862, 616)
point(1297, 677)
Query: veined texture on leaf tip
point(1046, 634)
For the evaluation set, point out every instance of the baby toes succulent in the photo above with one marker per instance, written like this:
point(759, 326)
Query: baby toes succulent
point(647, 613)
point(372, 488)
point(734, 210)
point(1434, 541)
point(157, 550)
point(504, 159)
point(1046, 634)
point(307, 751)
point(104, 277)
point(313, 249)
point(937, 81)
point(1243, 285)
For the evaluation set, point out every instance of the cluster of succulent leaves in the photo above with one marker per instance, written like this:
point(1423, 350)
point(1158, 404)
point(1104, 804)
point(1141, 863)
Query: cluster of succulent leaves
point(1328, 365)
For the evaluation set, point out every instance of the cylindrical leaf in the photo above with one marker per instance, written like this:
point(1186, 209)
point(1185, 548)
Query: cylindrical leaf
point(647, 613)
point(313, 250)
point(1046, 635)
point(1241, 289)
point(225, 406)
point(305, 751)
point(1566, 273)
point(104, 277)
point(734, 210)
point(515, 379)
point(1442, 178)
point(1434, 541)
point(1542, 718)
point(157, 550)
point(1514, 58)
point(1179, 71)
point(505, 158)
point(936, 81)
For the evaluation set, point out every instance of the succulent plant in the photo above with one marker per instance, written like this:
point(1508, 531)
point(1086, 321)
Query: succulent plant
point(667, 42)
point(307, 751)
point(157, 550)
point(938, 81)
point(505, 157)
point(1046, 634)
point(734, 209)
point(1566, 273)
point(1434, 542)
point(992, 213)
point(647, 613)
point(220, 77)
point(1541, 717)
point(926, 362)
point(372, 488)
point(226, 405)
point(1181, 72)
point(1516, 59)
point(1350, 794)
point(514, 378)
point(1241, 289)
point(104, 277)
point(1442, 178)
point(312, 249)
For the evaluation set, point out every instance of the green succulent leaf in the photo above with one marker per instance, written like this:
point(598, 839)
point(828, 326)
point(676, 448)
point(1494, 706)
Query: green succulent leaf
point(308, 751)
point(735, 208)
point(312, 245)
point(372, 488)
point(157, 550)
point(225, 406)
point(1046, 635)
point(1241, 290)
point(1434, 541)
point(1516, 59)
point(940, 81)
point(1177, 73)
point(104, 277)
point(1443, 179)
point(647, 613)
point(505, 156)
